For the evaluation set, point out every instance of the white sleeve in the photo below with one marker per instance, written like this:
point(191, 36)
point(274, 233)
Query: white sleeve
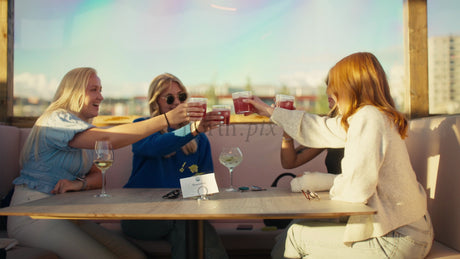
point(309, 129)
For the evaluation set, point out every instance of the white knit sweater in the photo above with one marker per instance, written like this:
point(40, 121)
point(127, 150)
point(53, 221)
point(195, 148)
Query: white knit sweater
point(376, 169)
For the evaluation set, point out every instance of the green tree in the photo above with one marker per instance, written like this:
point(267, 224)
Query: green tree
point(322, 104)
point(248, 86)
point(284, 90)
point(211, 95)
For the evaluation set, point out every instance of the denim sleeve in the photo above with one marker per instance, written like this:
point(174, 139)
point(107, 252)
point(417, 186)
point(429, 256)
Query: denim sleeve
point(60, 128)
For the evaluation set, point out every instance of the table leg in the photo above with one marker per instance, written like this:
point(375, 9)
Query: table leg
point(195, 239)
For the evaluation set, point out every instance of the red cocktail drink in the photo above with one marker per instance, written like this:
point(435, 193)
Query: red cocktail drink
point(198, 102)
point(240, 106)
point(285, 101)
point(224, 111)
point(286, 105)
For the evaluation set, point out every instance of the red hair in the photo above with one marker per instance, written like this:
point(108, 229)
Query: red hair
point(358, 80)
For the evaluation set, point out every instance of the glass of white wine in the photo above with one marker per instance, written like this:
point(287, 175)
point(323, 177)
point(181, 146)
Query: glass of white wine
point(231, 157)
point(103, 159)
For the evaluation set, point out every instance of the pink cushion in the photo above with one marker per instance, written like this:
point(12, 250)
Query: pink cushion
point(9, 157)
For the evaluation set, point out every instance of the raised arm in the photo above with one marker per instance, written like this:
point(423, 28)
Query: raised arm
point(126, 134)
point(292, 157)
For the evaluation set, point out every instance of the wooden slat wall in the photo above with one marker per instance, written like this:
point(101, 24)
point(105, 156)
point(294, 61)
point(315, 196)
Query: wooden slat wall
point(415, 23)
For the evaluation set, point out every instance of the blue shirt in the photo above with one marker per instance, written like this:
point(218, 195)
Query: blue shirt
point(56, 159)
point(153, 168)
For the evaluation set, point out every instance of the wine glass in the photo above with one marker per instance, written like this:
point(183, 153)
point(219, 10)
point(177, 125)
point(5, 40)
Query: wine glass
point(231, 157)
point(103, 159)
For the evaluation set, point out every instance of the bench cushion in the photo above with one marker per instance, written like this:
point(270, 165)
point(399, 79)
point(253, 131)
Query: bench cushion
point(9, 157)
point(434, 149)
point(440, 251)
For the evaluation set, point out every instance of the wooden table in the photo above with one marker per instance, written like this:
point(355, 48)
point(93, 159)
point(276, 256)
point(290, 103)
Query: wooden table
point(144, 204)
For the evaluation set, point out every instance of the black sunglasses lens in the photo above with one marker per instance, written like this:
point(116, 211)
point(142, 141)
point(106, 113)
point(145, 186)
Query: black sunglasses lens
point(169, 99)
point(182, 97)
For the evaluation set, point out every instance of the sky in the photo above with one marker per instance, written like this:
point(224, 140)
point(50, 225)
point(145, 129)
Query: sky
point(289, 43)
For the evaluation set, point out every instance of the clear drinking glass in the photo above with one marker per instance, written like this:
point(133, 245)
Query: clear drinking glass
point(231, 157)
point(198, 102)
point(103, 159)
point(240, 106)
point(285, 101)
point(224, 111)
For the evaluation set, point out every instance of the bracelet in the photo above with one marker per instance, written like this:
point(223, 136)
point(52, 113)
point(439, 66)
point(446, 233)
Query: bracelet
point(167, 121)
point(83, 180)
point(287, 139)
point(196, 128)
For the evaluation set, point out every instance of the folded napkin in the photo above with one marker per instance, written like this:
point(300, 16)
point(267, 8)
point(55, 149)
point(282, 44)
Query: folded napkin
point(313, 181)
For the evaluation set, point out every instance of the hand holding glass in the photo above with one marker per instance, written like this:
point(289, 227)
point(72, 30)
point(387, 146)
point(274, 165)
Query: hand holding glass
point(224, 111)
point(242, 107)
point(285, 101)
point(198, 102)
point(231, 157)
point(103, 159)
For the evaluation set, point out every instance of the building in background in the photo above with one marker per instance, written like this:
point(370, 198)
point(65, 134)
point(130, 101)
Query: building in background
point(308, 99)
point(444, 74)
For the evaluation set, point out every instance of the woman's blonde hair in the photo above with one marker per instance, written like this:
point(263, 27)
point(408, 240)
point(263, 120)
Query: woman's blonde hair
point(158, 85)
point(358, 80)
point(69, 96)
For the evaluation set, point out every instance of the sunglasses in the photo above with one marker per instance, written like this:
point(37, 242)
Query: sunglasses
point(170, 98)
point(172, 194)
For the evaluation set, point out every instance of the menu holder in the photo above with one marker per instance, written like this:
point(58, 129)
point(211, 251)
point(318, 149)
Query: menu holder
point(199, 185)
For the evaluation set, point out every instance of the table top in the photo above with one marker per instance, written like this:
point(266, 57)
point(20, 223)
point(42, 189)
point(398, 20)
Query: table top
point(274, 203)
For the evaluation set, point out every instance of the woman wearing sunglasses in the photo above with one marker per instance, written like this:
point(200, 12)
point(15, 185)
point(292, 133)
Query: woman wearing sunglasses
point(161, 159)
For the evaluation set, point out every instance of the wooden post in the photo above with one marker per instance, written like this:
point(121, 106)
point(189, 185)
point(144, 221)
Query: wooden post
point(416, 58)
point(6, 60)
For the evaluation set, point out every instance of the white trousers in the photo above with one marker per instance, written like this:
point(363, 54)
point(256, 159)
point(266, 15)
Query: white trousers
point(324, 239)
point(69, 239)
